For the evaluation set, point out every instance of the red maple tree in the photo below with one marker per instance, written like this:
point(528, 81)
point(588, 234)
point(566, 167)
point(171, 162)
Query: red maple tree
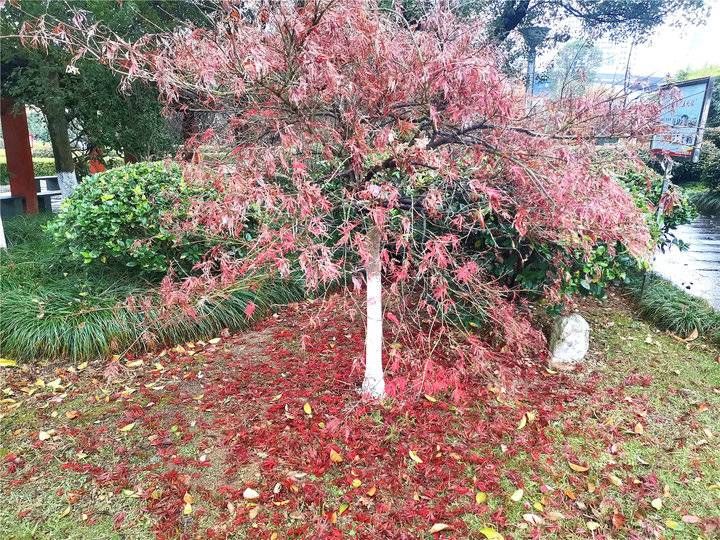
point(375, 154)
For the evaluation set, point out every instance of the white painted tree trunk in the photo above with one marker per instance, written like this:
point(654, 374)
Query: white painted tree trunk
point(374, 382)
point(68, 183)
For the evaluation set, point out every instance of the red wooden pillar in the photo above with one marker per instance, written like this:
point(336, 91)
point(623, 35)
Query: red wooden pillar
point(18, 154)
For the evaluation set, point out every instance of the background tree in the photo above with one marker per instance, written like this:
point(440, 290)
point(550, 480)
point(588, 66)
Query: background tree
point(574, 68)
point(87, 97)
point(617, 19)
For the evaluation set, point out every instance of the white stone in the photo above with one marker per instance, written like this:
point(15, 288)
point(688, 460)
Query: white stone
point(569, 341)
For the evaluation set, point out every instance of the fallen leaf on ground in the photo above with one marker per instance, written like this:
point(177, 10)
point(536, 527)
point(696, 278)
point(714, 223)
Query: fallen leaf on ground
point(6, 362)
point(415, 457)
point(578, 468)
point(533, 519)
point(517, 495)
point(491, 534)
point(439, 527)
point(656, 503)
point(335, 457)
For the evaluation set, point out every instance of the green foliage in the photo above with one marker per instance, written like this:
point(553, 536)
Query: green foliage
point(707, 169)
point(670, 308)
point(645, 186)
point(130, 215)
point(42, 167)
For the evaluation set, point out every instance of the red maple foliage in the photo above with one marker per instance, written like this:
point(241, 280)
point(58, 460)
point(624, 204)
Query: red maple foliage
point(340, 119)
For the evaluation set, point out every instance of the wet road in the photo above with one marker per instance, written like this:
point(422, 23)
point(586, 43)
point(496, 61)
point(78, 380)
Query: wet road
point(698, 269)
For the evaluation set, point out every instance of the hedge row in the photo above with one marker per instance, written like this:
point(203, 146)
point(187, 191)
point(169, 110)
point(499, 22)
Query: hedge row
point(42, 166)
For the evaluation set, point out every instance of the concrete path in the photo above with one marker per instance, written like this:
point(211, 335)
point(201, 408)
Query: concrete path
point(698, 269)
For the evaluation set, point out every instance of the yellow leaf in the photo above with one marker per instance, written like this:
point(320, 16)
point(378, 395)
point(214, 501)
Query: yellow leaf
point(639, 429)
point(480, 497)
point(656, 503)
point(253, 513)
point(128, 427)
point(578, 468)
point(356, 483)
point(517, 495)
point(187, 509)
point(430, 398)
point(136, 363)
point(307, 408)
point(188, 498)
point(523, 422)
point(538, 506)
point(214, 341)
point(65, 512)
point(6, 362)
point(491, 534)
point(592, 525)
point(671, 524)
point(335, 457)
point(415, 457)
point(615, 480)
point(274, 536)
point(342, 508)
point(439, 527)
point(371, 492)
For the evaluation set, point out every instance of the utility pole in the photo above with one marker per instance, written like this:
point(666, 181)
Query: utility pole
point(533, 36)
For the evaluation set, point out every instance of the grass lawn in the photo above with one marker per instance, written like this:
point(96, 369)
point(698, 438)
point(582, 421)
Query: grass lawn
point(262, 435)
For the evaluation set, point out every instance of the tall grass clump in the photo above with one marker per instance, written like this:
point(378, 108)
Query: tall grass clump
point(55, 307)
point(670, 308)
point(707, 202)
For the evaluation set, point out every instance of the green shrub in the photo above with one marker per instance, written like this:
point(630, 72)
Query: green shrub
point(130, 215)
point(707, 169)
point(42, 166)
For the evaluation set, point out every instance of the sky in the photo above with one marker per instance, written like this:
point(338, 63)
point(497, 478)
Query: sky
point(669, 49)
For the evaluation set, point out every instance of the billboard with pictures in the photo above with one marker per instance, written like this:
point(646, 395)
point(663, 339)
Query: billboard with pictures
point(684, 112)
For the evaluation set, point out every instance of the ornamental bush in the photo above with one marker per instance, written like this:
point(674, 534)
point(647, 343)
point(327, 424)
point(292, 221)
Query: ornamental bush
point(131, 215)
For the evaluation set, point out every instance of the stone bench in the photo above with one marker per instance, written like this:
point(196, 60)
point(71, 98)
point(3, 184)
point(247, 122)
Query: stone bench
point(51, 183)
point(45, 200)
point(11, 206)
